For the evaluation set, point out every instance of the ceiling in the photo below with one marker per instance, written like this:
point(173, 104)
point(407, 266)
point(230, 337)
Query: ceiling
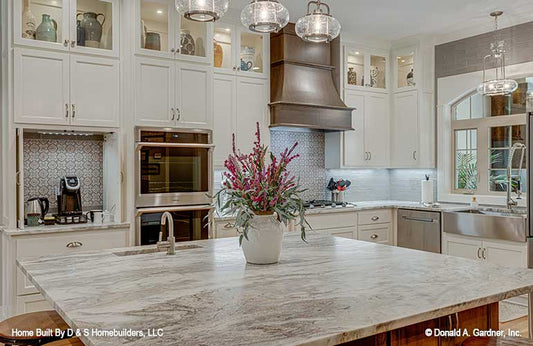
point(392, 19)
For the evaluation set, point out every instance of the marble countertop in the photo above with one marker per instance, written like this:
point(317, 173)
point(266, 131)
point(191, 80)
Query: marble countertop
point(388, 204)
point(327, 291)
point(64, 228)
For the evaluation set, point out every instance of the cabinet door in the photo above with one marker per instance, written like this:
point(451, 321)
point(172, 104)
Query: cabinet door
point(253, 53)
point(347, 232)
point(381, 233)
point(354, 141)
point(31, 303)
point(405, 124)
point(94, 91)
point(41, 87)
point(194, 95)
point(154, 92)
point(224, 123)
point(462, 246)
point(252, 100)
point(377, 129)
point(157, 18)
point(506, 253)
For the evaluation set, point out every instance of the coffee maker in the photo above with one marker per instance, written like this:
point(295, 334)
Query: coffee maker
point(69, 208)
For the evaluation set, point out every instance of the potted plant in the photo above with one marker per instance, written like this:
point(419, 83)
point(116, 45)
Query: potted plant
point(264, 197)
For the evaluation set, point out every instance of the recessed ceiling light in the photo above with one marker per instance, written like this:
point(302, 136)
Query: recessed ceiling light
point(403, 60)
point(159, 11)
point(356, 53)
point(227, 29)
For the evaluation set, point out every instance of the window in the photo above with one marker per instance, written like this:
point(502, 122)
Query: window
point(484, 130)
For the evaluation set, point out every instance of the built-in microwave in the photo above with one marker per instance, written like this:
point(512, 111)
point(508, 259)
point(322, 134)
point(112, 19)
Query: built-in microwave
point(173, 167)
point(190, 223)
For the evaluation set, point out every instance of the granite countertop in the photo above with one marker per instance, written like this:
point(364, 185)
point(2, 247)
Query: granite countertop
point(64, 228)
point(388, 204)
point(327, 291)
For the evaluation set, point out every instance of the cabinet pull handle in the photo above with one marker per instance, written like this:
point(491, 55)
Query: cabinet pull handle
point(173, 50)
point(179, 114)
point(228, 225)
point(173, 113)
point(414, 155)
point(73, 110)
point(66, 110)
point(456, 320)
point(72, 43)
point(450, 321)
point(483, 253)
point(74, 244)
point(370, 155)
point(374, 236)
point(478, 254)
point(234, 68)
point(65, 43)
point(375, 218)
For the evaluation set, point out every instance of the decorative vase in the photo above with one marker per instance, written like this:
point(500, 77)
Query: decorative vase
point(186, 43)
point(47, 30)
point(265, 236)
point(352, 76)
point(153, 41)
point(80, 34)
point(410, 78)
point(143, 33)
point(218, 54)
point(28, 22)
point(247, 58)
point(92, 27)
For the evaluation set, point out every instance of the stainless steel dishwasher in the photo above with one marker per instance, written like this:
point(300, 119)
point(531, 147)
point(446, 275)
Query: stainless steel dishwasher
point(419, 230)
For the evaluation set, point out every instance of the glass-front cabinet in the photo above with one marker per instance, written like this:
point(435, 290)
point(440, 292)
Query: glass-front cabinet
point(405, 68)
point(83, 26)
point(237, 50)
point(365, 69)
point(161, 31)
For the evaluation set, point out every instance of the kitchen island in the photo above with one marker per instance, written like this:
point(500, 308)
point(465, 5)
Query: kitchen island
point(325, 292)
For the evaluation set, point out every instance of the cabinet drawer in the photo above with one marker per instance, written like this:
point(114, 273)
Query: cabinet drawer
point(32, 303)
point(375, 233)
point(349, 232)
point(225, 229)
point(331, 220)
point(375, 216)
point(71, 242)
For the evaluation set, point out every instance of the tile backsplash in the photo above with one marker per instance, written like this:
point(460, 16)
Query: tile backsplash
point(47, 158)
point(367, 184)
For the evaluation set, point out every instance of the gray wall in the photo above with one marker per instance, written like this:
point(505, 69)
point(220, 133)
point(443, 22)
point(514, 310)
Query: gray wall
point(466, 55)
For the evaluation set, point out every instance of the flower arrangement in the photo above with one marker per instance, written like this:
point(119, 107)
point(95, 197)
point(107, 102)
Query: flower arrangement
point(255, 187)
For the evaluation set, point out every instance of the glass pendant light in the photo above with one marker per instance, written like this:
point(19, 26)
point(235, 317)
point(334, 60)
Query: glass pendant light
point(318, 25)
point(202, 10)
point(500, 85)
point(265, 16)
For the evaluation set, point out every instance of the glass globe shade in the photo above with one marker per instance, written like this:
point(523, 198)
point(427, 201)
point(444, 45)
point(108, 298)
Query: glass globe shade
point(265, 16)
point(202, 10)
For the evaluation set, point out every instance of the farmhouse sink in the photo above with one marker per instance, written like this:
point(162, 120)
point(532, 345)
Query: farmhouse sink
point(500, 224)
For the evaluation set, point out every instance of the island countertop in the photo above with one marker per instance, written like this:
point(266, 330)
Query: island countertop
point(327, 291)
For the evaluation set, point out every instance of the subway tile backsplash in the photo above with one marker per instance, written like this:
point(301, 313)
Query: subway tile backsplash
point(47, 158)
point(367, 184)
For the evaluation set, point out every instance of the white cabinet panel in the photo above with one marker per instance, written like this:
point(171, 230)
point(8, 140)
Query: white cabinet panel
point(354, 141)
point(381, 234)
point(377, 129)
point(94, 91)
point(348, 233)
point(154, 96)
point(32, 303)
point(375, 216)
point(405, 124)
point(252, 98)
point(194, 87)
point(224, 100)
point(41, 87)
point(505, 253)
point(462, 246)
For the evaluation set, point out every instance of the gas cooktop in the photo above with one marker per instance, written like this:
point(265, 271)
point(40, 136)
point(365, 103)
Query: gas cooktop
point(323, 203)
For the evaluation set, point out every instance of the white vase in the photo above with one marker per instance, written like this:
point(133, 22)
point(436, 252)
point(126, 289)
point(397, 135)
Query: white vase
point(29, 24)
point(265, 235)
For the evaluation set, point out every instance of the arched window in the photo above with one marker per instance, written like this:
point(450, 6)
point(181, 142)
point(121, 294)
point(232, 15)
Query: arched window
point(484, 129)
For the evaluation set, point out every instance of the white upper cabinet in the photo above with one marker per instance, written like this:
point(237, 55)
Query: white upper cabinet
point(405, 137)
point(366, 69)
point(406, 70)
point(237, 50)
point(224, 102)
point(57, 88)
point(354, 141)
point(251, 109)
point(94, 91)
point(41, 87)
point(161, 31)
point(83, 26)
point(173, 94)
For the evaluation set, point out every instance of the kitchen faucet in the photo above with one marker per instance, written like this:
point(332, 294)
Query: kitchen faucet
point(510, 201)
point(170, 243)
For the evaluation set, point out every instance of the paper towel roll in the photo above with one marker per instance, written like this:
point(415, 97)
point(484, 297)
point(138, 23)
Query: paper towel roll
point(427, 191)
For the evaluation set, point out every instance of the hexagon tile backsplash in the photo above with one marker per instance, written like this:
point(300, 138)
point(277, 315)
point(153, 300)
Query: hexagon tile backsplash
point(47, 158)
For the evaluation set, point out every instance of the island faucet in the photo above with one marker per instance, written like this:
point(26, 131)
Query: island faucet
point(510, 201)
point(170, 243)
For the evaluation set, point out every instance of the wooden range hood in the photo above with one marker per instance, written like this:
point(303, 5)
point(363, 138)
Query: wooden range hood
point(304, 84)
